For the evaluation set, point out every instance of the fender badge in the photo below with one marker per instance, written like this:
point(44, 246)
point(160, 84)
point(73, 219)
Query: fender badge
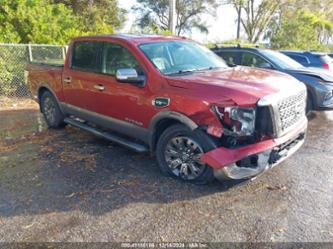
point(161, 102)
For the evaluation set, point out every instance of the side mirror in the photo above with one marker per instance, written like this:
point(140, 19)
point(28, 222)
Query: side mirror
point(129, 75)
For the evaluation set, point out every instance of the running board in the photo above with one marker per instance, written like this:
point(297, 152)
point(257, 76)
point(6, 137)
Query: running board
point(109, 136)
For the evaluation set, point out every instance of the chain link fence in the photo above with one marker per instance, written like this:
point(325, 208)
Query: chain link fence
point(13, 60)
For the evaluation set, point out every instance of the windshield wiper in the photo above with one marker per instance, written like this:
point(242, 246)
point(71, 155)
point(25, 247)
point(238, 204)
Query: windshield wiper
point(207, 68)
point(192, 70)
point(182, 71)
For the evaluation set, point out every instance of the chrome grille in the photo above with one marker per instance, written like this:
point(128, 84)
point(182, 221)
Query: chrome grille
point(292, 110)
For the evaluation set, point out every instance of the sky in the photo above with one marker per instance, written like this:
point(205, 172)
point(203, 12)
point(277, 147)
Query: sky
point(221, 28)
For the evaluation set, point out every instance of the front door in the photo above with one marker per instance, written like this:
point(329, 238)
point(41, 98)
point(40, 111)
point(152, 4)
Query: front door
point(124, 102)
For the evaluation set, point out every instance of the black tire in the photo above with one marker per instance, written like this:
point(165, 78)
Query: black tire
point(204, 174)
point(53, 115)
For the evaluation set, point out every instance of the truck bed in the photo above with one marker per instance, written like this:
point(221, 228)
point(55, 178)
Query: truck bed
point(42, 74)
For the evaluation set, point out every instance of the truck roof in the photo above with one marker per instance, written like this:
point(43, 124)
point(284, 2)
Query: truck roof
point(138, 39)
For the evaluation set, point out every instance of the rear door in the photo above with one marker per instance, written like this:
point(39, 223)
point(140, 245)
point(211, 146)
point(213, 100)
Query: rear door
point(80, 79)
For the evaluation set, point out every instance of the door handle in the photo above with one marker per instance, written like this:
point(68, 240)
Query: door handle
point(99, 87)
point(68, 80)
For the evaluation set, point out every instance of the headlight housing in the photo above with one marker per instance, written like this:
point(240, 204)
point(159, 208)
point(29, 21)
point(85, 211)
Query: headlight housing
point(238, 120)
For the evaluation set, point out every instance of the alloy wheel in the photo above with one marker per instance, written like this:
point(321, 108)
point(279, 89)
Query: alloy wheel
point(182, 155)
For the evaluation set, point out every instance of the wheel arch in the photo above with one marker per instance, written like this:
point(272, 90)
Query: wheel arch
point(165, 119)
point(43, 88)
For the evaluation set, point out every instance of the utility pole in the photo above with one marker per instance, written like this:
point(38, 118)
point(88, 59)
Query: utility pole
point(172, 16)
point(239, 21)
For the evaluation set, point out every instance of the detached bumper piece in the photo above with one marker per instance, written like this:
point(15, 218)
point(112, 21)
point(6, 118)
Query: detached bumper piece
point(250, 161)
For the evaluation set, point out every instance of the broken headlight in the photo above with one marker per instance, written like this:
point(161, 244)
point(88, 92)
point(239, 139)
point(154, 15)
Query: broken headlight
point(238, 120)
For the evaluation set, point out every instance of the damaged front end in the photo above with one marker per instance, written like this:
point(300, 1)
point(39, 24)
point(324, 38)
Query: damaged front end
point(256, 139)
point(253, 160)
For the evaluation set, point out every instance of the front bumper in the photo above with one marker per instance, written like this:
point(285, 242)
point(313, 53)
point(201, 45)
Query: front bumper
point(252, 160)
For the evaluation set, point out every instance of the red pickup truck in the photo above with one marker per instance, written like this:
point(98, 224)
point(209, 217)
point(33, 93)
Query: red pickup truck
point(178, 100)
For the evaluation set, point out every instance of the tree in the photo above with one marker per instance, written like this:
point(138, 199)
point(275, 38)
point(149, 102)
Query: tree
point(155, 14)
point(320, 10)
point(96, 16)
point(257, 16)
point(56, 22)
point(37, 21)
point(305, 31)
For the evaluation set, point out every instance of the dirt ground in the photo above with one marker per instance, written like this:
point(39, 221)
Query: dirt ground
point(67, 185)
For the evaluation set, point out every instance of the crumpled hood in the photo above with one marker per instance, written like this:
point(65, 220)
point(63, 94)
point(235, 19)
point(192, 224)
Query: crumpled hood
point(243, 85)
point(322, 74)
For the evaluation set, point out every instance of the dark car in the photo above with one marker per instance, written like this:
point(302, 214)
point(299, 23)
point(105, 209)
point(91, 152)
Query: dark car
point(319, 82)
point(311, 59)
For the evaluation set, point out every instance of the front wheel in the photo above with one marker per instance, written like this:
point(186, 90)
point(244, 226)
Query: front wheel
point(51, 111)
point(178, 154)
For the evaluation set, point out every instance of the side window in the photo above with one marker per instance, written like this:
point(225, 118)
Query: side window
point(229, 57)
point(252, 60)
point(85, 56)
point(301, 59)
point(117, 57)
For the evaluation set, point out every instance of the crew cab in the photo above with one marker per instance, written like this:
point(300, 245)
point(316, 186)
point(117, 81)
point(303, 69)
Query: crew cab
point(178, 100)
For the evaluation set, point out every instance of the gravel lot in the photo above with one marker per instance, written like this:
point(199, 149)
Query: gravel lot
point(67, 185)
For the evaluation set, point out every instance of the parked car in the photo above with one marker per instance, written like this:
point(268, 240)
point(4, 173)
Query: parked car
point(311, 59)
point(330, 55)
point(176, 99)
point(319, 82)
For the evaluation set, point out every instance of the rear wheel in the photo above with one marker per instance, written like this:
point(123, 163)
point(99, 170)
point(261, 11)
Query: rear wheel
point(51, 111)
point(178, 154)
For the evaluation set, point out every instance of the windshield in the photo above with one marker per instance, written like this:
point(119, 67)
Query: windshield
point(282, 60)
point(176, 57)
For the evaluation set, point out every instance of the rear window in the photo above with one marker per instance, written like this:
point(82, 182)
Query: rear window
point(85, 56)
